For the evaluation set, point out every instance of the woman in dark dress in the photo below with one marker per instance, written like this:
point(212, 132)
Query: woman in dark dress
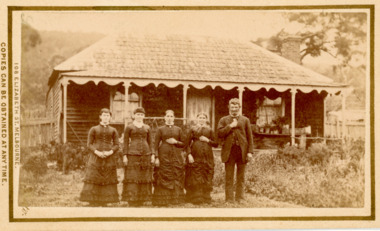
point(169, 173)
point(138, 158)
point(200, 167)
point(100, 182)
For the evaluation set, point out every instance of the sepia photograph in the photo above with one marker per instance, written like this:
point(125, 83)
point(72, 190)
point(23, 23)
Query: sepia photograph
point(181, 113)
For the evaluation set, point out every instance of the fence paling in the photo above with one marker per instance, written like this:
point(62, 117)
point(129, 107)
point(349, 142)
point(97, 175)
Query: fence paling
point(36, 121)
point(36, 131)
point(353, 129)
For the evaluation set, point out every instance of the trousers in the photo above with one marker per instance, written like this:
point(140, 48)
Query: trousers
point(235, 158)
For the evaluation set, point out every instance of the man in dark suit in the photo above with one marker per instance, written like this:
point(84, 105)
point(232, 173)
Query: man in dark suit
point(236, 138)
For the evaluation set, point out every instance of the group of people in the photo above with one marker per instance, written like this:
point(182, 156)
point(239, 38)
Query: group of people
point(158, 171)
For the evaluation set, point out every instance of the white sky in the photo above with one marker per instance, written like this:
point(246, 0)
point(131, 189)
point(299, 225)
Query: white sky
point(246, 25)
point(239, 25)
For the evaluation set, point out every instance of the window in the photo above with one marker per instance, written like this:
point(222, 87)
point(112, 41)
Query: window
point(117, 106)
point(269, 110)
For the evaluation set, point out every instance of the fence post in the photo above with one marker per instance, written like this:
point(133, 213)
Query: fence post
point(343, 115)
point(293, 131)
point(324, 118)
point(39, 134)
point(64, 84)
point(337, 128)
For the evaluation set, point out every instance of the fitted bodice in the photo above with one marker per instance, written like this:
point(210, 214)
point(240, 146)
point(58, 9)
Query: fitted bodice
point(103, 138)
point(137, 141)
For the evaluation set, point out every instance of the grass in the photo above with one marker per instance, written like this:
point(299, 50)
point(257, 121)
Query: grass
point(57, 190)
point(324, 176)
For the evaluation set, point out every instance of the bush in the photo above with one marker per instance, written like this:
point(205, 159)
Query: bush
point(218, 180)
point(36, 164)
point(322, 176)
point(291, 155)
point(318, 154)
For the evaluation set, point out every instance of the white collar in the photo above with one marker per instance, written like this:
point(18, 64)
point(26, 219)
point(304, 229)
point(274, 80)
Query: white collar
point(237, 116)
point(104, 124)
point(201, 126)
point(138, 124)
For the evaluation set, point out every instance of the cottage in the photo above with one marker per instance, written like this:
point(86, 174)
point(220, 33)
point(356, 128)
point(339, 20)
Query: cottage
point(189, 75)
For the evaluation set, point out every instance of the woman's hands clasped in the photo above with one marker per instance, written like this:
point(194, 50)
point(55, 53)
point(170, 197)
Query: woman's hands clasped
point(171, 141)
point(191, 158)
point(125, 160)
point(103, 154)
point(204, 139)
point(152, 159)
point(157, 162)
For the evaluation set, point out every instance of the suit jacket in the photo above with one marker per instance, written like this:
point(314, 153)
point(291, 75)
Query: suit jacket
point(242, 131)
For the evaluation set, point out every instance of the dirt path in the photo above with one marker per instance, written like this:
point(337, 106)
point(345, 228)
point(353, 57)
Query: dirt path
point(218, 202)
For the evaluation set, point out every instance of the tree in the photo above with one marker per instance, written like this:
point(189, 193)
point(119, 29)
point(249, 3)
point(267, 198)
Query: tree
point(342, 35)
point(29, 38)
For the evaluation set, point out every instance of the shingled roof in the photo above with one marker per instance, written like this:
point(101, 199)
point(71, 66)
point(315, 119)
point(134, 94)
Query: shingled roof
point(186, 58)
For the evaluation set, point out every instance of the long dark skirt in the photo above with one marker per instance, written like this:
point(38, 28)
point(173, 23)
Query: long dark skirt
point(198, 182)
point(99, 193)
point(138, 178)
point(100, 182)
point(168, 185)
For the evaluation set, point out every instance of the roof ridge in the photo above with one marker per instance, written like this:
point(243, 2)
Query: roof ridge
point(182, 57)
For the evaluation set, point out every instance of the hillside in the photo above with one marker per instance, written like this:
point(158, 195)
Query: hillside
point(41, 51)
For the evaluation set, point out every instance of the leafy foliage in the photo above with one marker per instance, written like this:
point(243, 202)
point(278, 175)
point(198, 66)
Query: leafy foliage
point(30, 38)
point(41, 52)
point(340, 34)
point(343, 36)
point(322, 176)
point(36, 164)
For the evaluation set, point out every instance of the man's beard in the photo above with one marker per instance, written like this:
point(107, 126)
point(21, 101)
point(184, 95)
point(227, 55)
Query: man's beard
point(234, 113)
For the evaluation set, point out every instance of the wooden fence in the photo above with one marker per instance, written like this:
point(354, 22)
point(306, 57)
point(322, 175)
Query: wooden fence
point(36, 131)
point(354, 130)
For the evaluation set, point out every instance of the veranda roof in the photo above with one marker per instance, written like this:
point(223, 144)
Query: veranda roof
point(199, 61)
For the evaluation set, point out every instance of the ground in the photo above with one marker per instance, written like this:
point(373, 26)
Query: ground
point(66, 194)
point(323, 176)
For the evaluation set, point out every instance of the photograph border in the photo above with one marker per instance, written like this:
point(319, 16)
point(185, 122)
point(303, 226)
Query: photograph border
point(370, 7)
